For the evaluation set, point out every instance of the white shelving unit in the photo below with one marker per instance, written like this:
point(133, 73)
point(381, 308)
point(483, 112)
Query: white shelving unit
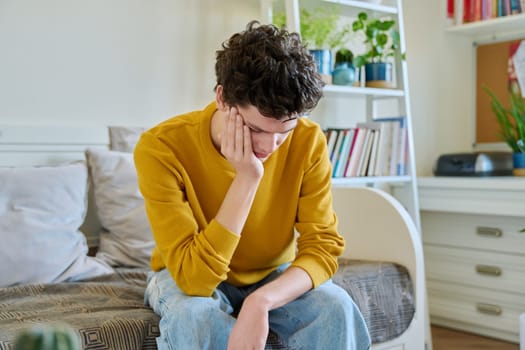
point(367, 98)
point(470, 228)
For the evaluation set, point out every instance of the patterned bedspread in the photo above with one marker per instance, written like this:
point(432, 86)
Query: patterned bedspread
point(109, 313)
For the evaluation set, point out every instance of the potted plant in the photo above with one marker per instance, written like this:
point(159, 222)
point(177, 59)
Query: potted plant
point(382, 43)
point(48, 337)
point(321, 33)
point(512, 127)
point(344, 71)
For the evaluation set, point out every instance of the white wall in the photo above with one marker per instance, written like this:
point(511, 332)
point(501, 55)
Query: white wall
point(441, 76)
point(132, 62)
point(136, 62)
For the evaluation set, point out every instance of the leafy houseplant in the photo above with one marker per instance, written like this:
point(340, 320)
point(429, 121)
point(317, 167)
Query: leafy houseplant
point(512, 126)
point(511, 120)
point(321, 34)
point(319, 28)
point(382, 42)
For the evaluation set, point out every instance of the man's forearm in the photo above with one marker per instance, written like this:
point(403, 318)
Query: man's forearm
point(237, 203)
point(290, 285)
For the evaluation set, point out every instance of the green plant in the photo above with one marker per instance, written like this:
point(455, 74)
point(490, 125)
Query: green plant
point(47, 337)
point(319, 27)
point(344, 56)
point(511, 120)
point(377, 33)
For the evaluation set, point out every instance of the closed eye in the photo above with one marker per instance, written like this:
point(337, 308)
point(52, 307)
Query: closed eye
point(259, 131)
point(256, 131)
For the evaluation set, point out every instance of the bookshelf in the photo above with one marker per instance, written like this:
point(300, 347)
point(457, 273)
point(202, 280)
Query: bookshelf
point(487, 23)
point(490, 27)
point(347, 106)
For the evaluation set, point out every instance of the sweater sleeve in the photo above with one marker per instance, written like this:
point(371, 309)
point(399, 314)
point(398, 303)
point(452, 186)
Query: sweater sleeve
point(196, 253)
point(319, 243)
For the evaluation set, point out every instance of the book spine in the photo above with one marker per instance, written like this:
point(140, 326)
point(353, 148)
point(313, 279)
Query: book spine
point(501, 8)
point(364, 152)
point(337, 150)
point(347, 145)
point(346, 172)
point(506, 8)
point(341, 153)
point(373, 154)
point(450, 9)
point(467, 11)
point(515, 7)
point(351, 171)
point(381, 148)
point(401, 162)
point(476, 11)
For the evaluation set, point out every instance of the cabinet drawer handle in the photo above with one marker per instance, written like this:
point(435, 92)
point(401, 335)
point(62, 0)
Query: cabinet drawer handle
point(488, 270)
point(488, 309)
point(489, 231)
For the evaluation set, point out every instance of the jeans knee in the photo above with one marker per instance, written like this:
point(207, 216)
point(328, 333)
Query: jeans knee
point(195, 323)
point(194, 310)
point(335, 304)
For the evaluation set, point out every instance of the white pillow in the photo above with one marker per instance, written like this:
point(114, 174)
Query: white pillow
point(126, 239)
point(124, 138)
point(41, 210)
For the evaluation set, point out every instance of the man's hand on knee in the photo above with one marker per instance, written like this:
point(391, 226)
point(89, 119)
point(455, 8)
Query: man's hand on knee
point(251, 329)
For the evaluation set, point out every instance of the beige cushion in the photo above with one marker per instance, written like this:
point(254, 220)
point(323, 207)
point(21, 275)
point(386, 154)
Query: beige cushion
point(41, 210)
point(124, 138)
point(126, 238)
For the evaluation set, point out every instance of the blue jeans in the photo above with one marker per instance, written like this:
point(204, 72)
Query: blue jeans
point(323, 318)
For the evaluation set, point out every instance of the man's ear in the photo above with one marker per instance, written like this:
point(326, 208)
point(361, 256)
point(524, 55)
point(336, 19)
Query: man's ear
point(221, 105)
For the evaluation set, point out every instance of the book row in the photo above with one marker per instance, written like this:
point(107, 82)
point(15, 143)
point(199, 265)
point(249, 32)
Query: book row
point(480, 10)
point(376, 148)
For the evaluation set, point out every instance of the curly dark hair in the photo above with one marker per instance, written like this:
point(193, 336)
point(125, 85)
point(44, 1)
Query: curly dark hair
point(270, 69)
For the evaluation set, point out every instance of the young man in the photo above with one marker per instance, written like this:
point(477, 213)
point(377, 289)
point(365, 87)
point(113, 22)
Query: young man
point(225, 189)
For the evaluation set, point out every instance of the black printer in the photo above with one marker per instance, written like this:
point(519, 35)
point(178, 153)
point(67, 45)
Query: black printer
point(474, 164)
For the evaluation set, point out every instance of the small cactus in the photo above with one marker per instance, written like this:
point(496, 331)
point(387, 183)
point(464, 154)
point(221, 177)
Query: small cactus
point(48, 337)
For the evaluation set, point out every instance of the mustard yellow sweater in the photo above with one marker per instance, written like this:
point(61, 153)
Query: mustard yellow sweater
point(184, 178)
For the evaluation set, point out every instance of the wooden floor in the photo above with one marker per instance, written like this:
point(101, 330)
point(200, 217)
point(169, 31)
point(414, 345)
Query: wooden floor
point(446, 339)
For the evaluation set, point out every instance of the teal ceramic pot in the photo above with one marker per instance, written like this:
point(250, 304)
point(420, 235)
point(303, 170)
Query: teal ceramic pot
point(518, 164)
point(343, 74)
point(323, 61)
point(379, 75)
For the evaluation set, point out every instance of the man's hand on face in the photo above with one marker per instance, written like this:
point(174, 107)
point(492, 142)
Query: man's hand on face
point(236, 146)
point(251, 328)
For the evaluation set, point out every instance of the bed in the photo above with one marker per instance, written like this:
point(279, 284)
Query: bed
point(92, 276)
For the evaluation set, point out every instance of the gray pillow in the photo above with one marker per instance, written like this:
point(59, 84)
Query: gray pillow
point(41, 210)
point(126, 239)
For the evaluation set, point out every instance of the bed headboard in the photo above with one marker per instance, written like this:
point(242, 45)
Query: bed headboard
point(53, 145)
point(48, 145)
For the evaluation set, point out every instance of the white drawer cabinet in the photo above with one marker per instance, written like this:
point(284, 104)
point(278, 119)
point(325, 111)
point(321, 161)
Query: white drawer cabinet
point(488, 270)
point(474, 253)
point(473, 309)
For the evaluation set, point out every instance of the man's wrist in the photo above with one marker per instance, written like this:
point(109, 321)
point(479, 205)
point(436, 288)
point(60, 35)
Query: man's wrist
point(247, 176)
point(259, 300)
